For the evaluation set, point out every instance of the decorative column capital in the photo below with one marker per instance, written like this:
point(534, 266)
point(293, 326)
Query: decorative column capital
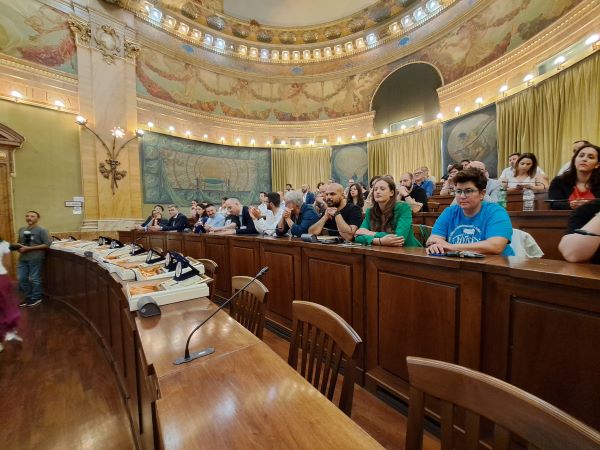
point(81, 30)
point(131, 50)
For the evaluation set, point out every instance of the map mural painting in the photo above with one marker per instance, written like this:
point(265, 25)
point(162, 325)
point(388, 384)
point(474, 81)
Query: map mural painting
point(176, 170)
point(350, 161)
point(472, 137)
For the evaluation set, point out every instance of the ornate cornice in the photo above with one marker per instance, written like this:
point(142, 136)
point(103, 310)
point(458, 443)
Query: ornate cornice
point(32, 68)
point(81, 30)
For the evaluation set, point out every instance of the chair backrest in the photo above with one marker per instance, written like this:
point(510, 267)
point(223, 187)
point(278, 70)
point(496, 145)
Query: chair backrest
point(524, 245)
point(249, 308)
point(433, 206)
point(210, 269)
point(513, 411)
point(422, 233)
point(322, 338)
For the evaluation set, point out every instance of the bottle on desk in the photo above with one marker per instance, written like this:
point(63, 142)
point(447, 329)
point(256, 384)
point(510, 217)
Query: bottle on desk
point(528, 199)
point(502, 197)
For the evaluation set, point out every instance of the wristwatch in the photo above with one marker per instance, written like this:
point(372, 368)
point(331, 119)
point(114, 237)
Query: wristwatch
point(337, 213)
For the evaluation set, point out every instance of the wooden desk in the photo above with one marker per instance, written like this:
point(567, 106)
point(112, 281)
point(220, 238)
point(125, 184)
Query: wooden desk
point(248, 398)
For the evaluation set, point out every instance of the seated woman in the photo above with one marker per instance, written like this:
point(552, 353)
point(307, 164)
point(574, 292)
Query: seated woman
point(581, 183)
point(471, 224)
point(525, 175)
point(388, 222)
point(355, 195)
point(580, 247)
point(448, 186)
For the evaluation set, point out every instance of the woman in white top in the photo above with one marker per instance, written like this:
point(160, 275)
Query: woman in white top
point(9, 311)
point(525, 175)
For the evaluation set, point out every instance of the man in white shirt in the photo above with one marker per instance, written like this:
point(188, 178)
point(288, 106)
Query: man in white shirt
point(264, 203)
point(267, 223)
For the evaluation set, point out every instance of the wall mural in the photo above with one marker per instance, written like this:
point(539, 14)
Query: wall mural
point(176, 170)
point(497, 29)
point(165, 78)
point(473, 137)
point(37, 33)
point(350, 161)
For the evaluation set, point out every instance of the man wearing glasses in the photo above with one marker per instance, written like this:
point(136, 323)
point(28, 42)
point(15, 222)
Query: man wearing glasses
point(472, 224)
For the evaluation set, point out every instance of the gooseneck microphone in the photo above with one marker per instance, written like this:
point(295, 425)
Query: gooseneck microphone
point(187, 357)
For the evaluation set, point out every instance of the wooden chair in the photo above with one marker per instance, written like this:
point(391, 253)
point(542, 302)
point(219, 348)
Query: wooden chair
point(250, 307)
point(433, 206)
point(323, 338)
point(512, 410)
point(422, 232)
point(211, 268)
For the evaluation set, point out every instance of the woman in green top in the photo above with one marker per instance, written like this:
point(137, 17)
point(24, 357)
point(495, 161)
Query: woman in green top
point(388, 222)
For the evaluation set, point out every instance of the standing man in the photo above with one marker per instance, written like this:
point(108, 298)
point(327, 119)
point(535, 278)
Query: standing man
point(33, 240)
point(307, 196)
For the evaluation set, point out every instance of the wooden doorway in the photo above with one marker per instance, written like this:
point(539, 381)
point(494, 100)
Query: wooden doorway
point(10, 141)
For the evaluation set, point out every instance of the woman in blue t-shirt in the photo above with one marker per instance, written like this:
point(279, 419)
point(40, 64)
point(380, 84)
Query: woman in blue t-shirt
point(472, 224)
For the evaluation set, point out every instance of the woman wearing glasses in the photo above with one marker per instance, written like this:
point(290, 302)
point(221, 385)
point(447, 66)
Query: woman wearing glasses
point(388, 222)
point(471, 224)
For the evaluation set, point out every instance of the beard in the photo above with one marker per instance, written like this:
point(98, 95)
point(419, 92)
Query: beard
point(333, 203)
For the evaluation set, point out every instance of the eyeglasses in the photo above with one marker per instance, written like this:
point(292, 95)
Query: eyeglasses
point(465, 192)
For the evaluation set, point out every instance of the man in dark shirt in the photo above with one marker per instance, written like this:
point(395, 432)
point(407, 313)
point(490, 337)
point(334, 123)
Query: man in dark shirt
point(340, 218)
point(177, 221)
point(577, 247)
point(238, 221)
point(297, 216)
point(411, 193)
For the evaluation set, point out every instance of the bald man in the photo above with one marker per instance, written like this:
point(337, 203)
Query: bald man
point(238, 221)
point(340, 218)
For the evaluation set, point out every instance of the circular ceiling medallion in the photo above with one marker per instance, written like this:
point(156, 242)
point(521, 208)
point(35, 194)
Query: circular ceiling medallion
point(215, 22)
point(357, 24)
point(287, 37)
point(264, 36)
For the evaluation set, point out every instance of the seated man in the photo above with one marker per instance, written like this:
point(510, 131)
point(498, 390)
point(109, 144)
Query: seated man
point(577, 247)
point(238, 221)
point(177, 221)
point(341, 218)
point(428, 175)
point(214, 220)
point(297, 216)
point(149, 219)
point(268, 223)
point(412, 194)
point(421, 180)
point(264, 203)
point(319, 204)
point(472, 224)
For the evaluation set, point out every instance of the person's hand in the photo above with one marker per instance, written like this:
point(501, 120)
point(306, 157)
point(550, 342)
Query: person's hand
point(287, 213)
point(23, 249)
point(155, 228)
point(330, 212)
point(403, 191)
point(579, 202)
point(392, 240)
point(255, 213)
point(520, 187)
point(439, 248)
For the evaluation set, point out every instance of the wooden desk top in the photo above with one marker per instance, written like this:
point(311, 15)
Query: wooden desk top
point(250, 398)
point(163, 337)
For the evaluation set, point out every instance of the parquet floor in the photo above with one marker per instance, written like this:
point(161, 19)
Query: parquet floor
point(58, 391)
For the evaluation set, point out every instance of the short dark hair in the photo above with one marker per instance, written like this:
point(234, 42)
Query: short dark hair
point(319, 184)
point(465, 160)
point(455, 166)
point(514, 154)
point(208, 205)
point(471, 174)
point(162, 208)
point(264, 192)
point(224, 199)
point(274, 198)
point(288, 184)
point(35, 212)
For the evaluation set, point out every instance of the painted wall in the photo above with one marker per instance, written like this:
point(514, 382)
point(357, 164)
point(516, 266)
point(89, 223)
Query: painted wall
point(48, 165)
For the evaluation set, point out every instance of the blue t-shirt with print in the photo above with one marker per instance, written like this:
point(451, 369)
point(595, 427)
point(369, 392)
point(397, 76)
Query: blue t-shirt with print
point(491, 221)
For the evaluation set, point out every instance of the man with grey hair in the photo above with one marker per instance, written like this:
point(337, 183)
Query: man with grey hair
point(238, 220)
point(297, 216)
point(177, 221)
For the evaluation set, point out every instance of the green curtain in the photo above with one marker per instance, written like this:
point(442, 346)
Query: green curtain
point(398, 154)
point(548, 118)
point(298, 166)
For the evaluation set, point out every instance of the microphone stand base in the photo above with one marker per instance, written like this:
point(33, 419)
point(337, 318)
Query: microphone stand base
point(193, 356)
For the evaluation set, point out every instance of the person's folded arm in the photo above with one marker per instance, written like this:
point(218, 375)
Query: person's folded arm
point(309, 217)
point(317, 227)
point(490, 246)
point(578, 247)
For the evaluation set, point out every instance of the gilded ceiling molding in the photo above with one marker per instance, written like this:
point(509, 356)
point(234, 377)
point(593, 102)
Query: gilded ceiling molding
point(108, 43)
point(81, 30)
point(131, 50)
point(31, 68)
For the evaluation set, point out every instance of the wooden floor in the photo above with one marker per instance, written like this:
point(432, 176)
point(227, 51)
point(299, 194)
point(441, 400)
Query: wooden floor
point(58, 391)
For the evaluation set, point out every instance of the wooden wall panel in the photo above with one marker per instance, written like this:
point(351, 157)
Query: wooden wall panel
point(216, 249)
point(284, 280)
point(244, 257)
point(174, 241)
point(194, 246)
point(157, 240)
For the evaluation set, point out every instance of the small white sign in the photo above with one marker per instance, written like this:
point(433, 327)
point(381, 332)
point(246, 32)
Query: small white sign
point(77, 210)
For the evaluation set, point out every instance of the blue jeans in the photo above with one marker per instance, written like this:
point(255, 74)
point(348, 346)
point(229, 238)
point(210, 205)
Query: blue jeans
point(30, 279)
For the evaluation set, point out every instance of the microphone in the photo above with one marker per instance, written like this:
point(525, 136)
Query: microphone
point(187, 357)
